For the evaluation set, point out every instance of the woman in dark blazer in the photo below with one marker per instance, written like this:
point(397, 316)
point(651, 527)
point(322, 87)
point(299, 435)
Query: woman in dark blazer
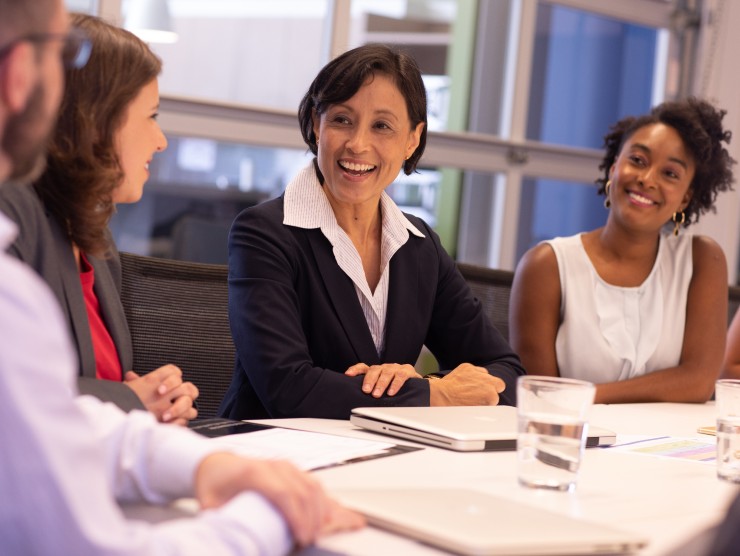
point(98, 156)
point(333, 291)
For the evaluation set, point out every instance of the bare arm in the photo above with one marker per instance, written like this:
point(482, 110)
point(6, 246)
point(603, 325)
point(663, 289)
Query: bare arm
point(534, 311)
point(692, 380)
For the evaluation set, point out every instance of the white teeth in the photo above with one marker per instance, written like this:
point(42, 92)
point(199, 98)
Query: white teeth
point(641, 199)
point(147, 165)
point(351, 166)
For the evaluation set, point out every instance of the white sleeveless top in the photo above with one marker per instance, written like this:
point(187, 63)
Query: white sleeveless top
point(610, 333)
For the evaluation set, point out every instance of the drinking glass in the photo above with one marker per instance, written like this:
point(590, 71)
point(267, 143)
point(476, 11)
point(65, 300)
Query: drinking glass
point(553, 428)
point(727, 395)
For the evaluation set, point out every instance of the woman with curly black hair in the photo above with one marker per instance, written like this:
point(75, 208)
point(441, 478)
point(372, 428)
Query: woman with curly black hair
point(639, 306)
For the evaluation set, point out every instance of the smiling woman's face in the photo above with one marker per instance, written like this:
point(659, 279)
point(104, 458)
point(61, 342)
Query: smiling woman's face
point(363, 142)
point(651, 177)
point(136, 142)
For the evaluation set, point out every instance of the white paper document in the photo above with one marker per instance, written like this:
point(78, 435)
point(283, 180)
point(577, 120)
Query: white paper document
point(701, 449)
point(307, 450)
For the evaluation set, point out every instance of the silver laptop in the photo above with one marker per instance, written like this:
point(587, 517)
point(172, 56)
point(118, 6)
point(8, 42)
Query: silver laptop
point(471, 522)
point(461, 428)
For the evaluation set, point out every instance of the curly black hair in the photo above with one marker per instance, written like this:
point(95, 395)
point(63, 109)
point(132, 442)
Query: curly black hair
point(700, 126)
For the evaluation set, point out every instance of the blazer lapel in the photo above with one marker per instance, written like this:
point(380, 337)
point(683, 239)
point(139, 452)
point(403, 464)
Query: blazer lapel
point(403, 301)
point(75, 302)
point(343, 297)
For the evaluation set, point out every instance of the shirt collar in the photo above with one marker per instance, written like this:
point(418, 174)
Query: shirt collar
point(306, 206)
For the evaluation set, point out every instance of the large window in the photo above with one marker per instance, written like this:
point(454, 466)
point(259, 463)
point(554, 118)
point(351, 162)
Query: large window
point(588, 71)
point(521, 94)
point(253, 52)
point(568, 70)
point(200, 183)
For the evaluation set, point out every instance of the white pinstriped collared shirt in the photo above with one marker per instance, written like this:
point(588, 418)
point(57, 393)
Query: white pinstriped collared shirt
point(306, 206)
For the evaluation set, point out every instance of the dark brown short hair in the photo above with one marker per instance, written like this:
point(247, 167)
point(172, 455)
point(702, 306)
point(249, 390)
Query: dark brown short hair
point(341, 78)
point(699, 124)
point(83, 168)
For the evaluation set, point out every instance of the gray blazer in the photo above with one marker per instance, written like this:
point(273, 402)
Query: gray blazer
point(42, 244)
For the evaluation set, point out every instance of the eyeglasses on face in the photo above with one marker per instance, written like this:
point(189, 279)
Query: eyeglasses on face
point(75, 52)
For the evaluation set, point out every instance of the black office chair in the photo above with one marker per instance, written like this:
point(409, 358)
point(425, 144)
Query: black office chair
point(492, 287)
point(178, 313)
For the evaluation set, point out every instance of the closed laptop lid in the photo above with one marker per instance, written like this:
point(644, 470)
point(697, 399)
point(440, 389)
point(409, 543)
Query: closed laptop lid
point(472, 522)
point(463, 428)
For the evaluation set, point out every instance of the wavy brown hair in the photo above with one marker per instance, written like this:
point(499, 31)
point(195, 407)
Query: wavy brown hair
point(699, 124)
point(83, 168)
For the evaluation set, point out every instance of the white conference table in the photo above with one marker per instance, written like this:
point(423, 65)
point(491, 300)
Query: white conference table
point(666, 500)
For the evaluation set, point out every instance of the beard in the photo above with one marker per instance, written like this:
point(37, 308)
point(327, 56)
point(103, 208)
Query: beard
point(26, 136)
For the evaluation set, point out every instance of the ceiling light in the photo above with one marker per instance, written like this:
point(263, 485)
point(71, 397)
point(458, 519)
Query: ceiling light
point(150, 20)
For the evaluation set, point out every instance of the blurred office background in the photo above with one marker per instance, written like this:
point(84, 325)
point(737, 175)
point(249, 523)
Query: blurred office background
point(521, 94)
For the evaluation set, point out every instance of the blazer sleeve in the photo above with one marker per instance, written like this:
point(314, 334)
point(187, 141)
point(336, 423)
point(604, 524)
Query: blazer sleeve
point(41, 245)
point(108, 391)
point(271, 278)
point(461, 332)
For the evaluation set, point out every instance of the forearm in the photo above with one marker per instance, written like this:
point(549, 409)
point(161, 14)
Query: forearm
point(248, 525)
point(327, 394)
point(692, 384)
point(731, 371)
point(145, 460)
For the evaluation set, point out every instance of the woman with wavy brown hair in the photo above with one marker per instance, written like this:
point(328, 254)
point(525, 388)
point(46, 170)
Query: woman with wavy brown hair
point(98, 156)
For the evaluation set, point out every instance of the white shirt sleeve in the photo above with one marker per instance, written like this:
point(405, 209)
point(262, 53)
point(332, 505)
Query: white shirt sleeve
point(145, 460)
point(60, 471)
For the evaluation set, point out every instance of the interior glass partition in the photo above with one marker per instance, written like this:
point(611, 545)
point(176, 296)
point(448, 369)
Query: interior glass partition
point(198, 186)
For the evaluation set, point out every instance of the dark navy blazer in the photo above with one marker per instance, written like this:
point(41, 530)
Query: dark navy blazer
point(298, 325)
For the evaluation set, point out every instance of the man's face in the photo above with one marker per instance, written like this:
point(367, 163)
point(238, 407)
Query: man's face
point(26, 133)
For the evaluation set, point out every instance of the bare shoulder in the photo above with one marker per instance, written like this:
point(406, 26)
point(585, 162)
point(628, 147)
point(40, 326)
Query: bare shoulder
point(709, 266)
point(538, 260)
point(707, 252)
point(537, 275)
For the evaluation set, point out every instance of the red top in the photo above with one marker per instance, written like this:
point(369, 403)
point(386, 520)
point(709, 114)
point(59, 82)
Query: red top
point(107, 363)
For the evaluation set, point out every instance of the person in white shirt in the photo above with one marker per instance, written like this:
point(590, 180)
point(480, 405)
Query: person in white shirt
point(67, 462)
point(638, 306)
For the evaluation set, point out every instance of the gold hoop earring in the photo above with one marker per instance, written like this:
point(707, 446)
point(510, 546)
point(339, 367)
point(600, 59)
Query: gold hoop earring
point(678, 221)
point(607, 202)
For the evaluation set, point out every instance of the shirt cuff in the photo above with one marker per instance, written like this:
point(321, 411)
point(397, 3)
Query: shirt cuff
point(252, 517)
point(180, 452)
